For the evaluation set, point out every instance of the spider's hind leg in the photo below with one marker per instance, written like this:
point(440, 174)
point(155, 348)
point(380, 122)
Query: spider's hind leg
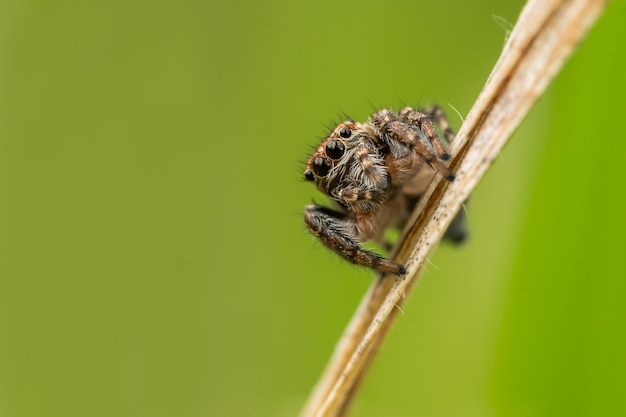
point(331, 228)
point(458, 231)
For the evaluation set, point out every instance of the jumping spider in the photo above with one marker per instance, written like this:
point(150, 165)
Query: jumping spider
point(375, 172)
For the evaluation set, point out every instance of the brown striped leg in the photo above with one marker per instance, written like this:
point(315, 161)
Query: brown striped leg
point(386, 122)
point(437, 114)
point(331, 229)
point(423, 123)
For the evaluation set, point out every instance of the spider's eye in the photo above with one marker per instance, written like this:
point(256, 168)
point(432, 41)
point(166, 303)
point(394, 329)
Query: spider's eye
point(308, 175)
point(335, 149)
point(345, 132)
point(321, 166)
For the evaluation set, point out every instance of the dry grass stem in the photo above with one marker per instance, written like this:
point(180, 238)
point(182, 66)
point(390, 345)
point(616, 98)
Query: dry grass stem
point(546, 33)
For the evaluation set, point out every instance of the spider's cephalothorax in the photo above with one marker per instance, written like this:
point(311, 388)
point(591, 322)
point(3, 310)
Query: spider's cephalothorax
point(375, 172)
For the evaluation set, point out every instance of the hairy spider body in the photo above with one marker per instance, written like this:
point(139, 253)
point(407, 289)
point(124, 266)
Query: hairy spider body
point(375, 172)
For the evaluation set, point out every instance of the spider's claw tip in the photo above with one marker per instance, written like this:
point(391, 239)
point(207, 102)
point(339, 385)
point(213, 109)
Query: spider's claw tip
point(401, 270)
point(450, 177)
point(445, 156)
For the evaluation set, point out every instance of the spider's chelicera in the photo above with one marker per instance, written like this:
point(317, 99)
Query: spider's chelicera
point(375, 172)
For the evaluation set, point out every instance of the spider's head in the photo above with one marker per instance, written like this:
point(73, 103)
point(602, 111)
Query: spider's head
point(325, 167)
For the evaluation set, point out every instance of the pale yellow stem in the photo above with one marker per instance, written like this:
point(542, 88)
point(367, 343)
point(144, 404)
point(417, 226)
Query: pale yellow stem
point(546, 33)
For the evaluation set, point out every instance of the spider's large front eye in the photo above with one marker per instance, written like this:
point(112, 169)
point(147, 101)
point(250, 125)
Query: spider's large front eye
point(321, 166)
point(335, 149)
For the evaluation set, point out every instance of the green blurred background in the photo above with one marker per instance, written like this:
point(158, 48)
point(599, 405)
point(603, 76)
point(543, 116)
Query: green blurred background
point(153, 259)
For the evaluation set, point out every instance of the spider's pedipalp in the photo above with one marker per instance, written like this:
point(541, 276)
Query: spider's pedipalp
point(357, 199)
point(368, 167)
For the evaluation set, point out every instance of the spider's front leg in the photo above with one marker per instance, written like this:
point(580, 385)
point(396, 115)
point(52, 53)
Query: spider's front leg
point(332, 228)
